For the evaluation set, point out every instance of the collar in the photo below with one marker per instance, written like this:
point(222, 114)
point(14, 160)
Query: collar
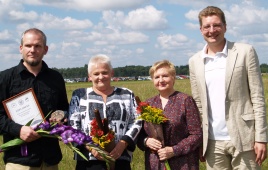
point(22, 68)
point(223, 52)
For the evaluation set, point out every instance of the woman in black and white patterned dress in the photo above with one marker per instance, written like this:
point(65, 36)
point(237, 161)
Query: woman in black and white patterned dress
point(116, 104)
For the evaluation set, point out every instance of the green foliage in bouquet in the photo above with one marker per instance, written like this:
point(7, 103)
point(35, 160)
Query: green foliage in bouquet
point(150, 114)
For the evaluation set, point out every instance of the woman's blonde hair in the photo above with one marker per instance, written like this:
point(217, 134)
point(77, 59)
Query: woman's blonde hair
point(161, 64)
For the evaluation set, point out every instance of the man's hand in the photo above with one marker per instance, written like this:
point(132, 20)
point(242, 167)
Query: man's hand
point(28, 134)
point(260, 151)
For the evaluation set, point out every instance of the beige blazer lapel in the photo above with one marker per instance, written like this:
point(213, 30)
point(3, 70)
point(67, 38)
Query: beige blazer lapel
point(201, 85)
point(201, 74)
point(230, 63)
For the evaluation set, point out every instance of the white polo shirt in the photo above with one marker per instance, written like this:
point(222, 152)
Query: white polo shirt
point(215, 68)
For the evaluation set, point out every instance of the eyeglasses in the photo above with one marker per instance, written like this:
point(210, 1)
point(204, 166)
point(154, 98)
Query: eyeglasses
point(215, 27)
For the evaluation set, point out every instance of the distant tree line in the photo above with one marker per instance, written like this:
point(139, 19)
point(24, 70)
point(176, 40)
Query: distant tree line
point(129, 71)
point(76, 72)
point(264, 68)
point(134, 71)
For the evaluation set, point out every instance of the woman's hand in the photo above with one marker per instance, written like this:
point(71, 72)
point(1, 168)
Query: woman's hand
point(153, 144)
point(201, 157)
point(96, 154)
point(165, 153)
point(119, 149)
point(57, 117)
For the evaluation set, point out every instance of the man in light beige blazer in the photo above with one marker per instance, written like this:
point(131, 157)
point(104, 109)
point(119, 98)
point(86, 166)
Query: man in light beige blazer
point(227, 86)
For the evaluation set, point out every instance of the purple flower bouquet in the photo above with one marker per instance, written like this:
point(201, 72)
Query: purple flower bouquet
point(66, 134)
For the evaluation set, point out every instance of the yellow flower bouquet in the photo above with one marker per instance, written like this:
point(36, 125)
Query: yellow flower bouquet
point(154, 117)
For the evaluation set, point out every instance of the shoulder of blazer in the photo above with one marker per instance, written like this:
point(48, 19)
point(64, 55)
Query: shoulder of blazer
point(237, 46)
point(231, 45)
point(195, 56)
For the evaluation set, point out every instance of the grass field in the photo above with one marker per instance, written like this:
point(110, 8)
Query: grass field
point(143, 89)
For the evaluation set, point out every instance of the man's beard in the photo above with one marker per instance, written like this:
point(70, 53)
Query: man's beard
point(33, 63)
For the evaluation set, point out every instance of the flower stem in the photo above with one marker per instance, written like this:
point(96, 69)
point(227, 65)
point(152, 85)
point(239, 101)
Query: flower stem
point(167, 167)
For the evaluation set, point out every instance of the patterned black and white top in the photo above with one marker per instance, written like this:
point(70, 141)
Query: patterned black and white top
point(119, 109)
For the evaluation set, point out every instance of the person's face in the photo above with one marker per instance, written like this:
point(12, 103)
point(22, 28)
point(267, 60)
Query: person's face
point(101, 76)
point(33, 49)
point(163, 80)
point(213, 30)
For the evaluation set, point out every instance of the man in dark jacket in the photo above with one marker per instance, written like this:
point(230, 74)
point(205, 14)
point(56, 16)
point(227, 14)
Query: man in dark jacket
point(49, 88)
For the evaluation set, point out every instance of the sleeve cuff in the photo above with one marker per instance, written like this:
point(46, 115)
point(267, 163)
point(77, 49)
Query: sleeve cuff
point(131, 145)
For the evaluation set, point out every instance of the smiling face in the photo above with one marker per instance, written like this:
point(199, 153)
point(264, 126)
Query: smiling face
point(33, 49)
point(213, 30)
point(100, 76)
point(163, 80)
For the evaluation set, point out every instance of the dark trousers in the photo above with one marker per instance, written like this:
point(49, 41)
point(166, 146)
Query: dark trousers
point(101, 165)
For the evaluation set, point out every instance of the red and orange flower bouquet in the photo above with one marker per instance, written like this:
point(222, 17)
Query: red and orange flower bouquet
point(102, 136)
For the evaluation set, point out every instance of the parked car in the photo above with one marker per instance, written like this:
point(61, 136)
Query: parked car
point(69, 81)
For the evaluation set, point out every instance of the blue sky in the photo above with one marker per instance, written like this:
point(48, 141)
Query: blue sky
point(130, 32)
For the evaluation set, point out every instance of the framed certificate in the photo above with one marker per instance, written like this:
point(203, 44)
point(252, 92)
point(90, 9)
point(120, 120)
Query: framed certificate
point(24, 107)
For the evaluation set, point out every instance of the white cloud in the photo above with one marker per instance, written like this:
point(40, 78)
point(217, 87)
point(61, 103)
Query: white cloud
point(171, 42)
point(70, 48)
point(93, 50)
point(114, 20)
point(104, 4)
point(119, 56)
point(194, 3)
point(48, 21)
point(8, 5)
point(147, 18)
point(84, 5)
point(125, 52)
point(246, 19)
point(22, 27)
point(52, 47)
point(139, 50)
point(23, 16)
point(245, 15)
point(113, 37)
point(108, 50)
point(192, 15)
point(192, 26)
point(128, 38)
point(5, 35)
point(8, 49)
